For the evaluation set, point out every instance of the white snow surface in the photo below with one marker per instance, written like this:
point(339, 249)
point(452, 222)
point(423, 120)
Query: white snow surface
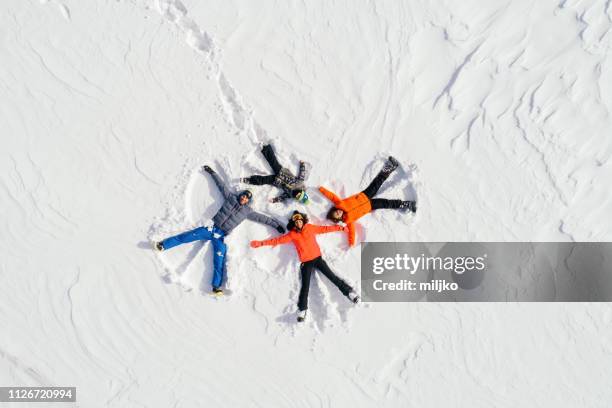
point(499, 112)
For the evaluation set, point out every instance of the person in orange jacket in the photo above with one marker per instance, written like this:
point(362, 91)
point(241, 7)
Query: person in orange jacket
point(303, 236)
point(350, 209)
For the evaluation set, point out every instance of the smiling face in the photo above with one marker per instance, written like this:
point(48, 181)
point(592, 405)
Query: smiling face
point(299, 223)
point(337, 214)
point(243, 199)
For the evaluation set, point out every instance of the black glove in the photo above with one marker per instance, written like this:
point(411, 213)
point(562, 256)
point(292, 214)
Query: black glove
point(208, 169)
point(280, 229)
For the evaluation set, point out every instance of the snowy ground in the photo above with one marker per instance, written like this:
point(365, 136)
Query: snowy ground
point(499, 112)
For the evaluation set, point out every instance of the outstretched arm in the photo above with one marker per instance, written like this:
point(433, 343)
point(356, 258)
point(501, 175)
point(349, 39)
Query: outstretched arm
point(303, 172)
point(223, 188)
point(283, 239)
point(264, 219)
point(330, 196)
point(281, 198)
point(324, 229)
point(351, 233)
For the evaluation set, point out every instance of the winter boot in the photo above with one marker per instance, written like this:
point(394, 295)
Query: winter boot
point(217, 291)
point(353, 297)
point(301, 316)
point(390, 165)
point(159, 246)
point(408, 205)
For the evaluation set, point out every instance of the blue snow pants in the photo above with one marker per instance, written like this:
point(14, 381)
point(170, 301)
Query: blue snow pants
point(213, 234)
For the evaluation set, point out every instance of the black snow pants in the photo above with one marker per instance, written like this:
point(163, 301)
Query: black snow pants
point(268, 154)
point(372, 189)
point(306, 271)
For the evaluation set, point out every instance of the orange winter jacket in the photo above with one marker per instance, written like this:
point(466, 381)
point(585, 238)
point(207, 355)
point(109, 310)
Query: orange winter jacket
point(354, 207)
point(305, 241)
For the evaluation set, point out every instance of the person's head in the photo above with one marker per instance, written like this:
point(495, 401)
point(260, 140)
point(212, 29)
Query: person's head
point(297, 221)
point(335, 215)
point(244, 197)
point(301, 196)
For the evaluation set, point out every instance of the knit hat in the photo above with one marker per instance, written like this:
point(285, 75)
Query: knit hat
point(247, 194)
point(302, 197)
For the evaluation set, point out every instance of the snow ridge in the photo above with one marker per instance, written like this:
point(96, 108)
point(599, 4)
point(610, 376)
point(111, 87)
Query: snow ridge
point(238, 114)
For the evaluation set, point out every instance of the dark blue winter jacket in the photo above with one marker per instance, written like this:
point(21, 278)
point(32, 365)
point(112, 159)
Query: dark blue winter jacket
point(232, 213)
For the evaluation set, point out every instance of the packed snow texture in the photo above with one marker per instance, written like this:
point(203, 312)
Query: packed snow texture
point(499, 112)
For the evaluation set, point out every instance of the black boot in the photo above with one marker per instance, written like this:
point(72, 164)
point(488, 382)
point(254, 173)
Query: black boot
point(408, 205)
point(390, 165)
point(353, 297)
point(301, 316)
point(159, 246)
